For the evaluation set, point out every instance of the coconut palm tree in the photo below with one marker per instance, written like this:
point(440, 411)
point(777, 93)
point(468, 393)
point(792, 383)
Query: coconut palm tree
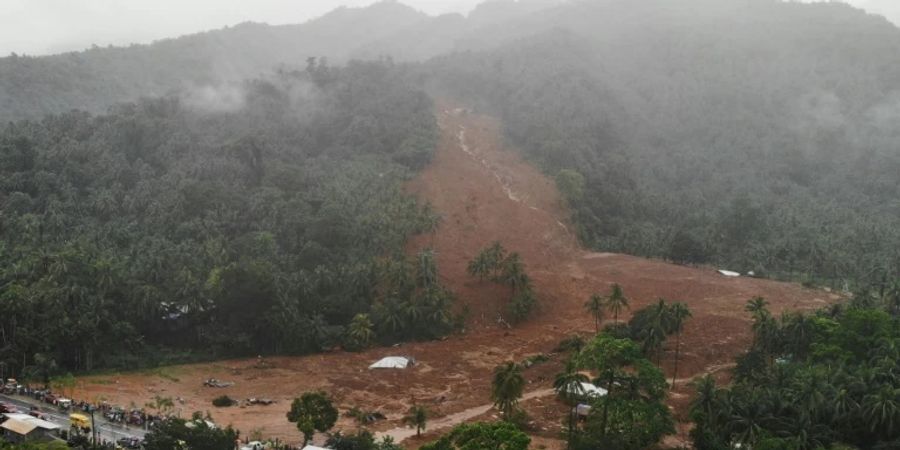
point(417, 417)
point(678, 313)
point(595, 306)
point(568, 383)
point(616, 301)
point(507, 387)
point(757, 306)
point(882, 409)
point(513, 273)
point(798, 333)
point(653, 332)
point(486, 264)
point(707, 397)
point(568, 386)
point(360, 331)
point(748, 419)
point(426, 269)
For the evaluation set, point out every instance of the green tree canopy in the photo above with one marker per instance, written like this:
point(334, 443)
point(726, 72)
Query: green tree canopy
point(312, 412)
point(482, 436)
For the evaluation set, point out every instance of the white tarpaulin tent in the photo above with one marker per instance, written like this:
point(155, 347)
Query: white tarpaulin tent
point(313, 447)
point(587, 389)
point(392, 362)
point(729, 273)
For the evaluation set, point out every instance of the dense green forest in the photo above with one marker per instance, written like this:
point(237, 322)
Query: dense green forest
point(758, 135)
point(164, 228)
point(823, 380)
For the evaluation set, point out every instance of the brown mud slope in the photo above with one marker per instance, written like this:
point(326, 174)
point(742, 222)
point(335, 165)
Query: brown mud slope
point(485, 193)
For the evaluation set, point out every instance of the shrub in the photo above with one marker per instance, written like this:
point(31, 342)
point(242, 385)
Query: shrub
point(223, 401)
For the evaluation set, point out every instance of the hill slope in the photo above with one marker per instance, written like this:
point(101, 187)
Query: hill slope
point(484, 192)
point(94, 79)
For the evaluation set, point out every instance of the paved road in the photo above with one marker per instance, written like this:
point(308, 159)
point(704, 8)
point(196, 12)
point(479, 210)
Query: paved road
point(105, 429)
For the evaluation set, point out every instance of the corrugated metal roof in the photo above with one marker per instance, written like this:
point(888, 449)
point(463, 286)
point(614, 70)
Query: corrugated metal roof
point(19, 427)
point(33, 420)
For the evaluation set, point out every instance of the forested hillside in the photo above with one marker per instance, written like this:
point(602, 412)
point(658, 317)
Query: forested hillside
point(97, 78)
point(759, 135)
point(823, 380)
point(162, 227)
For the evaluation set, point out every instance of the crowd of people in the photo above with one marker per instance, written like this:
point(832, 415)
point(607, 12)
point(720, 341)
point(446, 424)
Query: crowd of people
point(112, 413)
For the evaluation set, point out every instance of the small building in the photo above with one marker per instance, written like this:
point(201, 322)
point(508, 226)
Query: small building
point(23, 427)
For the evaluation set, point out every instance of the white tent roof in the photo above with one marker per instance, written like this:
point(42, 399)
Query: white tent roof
point(391, 362)
point(729, 273)
point(587, 389)
point(38, 423)
point(313, 447)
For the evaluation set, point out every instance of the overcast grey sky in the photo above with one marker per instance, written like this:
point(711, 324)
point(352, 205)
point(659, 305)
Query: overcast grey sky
point(38, 27)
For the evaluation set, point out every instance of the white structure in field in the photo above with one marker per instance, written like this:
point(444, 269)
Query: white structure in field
point(587, 390)
point(393, 362)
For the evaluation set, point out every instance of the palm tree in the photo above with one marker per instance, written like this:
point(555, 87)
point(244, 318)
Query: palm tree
point(413, 310)
point(595, 306)
point(616, 301)
point(767, 336)
point(747, 420)
point(487, 262)
point(707, 397)
point(417, 417)
point(390, 316)
point(360, 331)
point(810, 394)
point(882, 409)
point(568, 384)
point(678, 313)
point(798, 333)
point(757, 307)
point(653, 333)
point(506, 389)
point(426, 269)
point(513, 272)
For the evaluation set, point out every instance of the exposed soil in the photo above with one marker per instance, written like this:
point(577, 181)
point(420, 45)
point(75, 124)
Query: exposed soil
point(485, 192)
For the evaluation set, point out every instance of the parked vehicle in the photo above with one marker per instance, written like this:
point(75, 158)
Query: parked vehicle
point(36, 412)
point(7, 408)
point(130, 442)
